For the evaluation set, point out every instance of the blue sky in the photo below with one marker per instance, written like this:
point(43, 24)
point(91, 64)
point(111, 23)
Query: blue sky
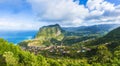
point(32, 14)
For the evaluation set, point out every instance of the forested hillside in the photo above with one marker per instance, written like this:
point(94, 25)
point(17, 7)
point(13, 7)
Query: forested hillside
point(54, 34)
point(112, 36)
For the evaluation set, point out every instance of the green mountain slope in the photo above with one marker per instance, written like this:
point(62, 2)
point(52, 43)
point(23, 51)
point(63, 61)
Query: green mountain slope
point(54, 34)
point(47, 35)
point(113, 35)
point(50, 32)
point(111, 38)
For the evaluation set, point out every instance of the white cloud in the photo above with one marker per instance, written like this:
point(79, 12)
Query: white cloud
point(96, 13)
point(94, 4)
point(63, 12)
point(99, 5)
point(19, 22)
point(69, 13)
point(102, 11)
point(59, 11)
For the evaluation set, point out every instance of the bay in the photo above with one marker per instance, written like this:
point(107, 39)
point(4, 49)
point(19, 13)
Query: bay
point(17, 36)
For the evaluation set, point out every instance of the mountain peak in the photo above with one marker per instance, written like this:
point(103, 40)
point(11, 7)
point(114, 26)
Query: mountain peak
point(55, 25)
point(50, 31)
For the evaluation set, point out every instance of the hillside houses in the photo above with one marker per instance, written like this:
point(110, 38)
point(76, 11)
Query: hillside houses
point(54, 49)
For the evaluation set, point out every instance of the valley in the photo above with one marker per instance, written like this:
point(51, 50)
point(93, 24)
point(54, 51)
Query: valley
point(53, 41)
point(56, 46)
point(59, 32)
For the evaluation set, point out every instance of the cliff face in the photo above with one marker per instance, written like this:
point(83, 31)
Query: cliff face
point(47, 35)
point(50, 32)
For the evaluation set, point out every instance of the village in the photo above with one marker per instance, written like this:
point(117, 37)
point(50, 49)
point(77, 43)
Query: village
point(55, 49)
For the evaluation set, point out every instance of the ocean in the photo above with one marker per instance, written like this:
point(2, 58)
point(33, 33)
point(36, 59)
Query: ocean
point(17, 36)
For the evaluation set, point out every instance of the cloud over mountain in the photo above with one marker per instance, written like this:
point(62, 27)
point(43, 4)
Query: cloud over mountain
point(35, 13)
point(68, 12)
point(65, 11)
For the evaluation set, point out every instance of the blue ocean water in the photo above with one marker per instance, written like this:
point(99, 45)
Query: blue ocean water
point(17, 36)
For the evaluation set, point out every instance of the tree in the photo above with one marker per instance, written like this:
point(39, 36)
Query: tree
point(27, 59)
point(10, 59)
point(103, 55)
point(53, 62)
point(117, 54)
point(41, 61)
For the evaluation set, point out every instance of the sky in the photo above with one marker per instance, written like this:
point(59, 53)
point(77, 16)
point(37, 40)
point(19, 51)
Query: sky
point(32, 14)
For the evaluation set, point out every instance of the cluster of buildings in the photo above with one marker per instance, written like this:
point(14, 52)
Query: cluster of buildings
point(53, 49)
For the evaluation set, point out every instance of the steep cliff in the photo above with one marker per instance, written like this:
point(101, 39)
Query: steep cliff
point(47, 35)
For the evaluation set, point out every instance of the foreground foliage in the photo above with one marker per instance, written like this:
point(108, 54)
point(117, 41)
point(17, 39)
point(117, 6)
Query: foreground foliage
point(11, 55)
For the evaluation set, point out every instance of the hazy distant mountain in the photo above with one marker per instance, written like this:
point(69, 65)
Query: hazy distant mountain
point(95, 29)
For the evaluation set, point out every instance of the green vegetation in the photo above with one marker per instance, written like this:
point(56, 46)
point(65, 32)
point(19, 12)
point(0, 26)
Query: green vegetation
point(112, 38)
point(11, 55)
point(51, 31)
point(96, 30)
point(55, 35)
point(104, 51)
point(46, 36)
